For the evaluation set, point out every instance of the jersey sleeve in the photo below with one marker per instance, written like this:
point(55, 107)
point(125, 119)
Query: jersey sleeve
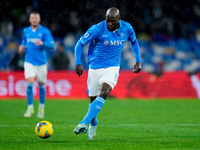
point(78, 51)
point(132, 36)
point(136, 50)
point(23, 39)
point(48, 39)
point(134, 44)
point(90, 35)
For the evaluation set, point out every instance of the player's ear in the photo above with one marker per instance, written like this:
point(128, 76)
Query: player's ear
point(39, 18)
point(30, 17)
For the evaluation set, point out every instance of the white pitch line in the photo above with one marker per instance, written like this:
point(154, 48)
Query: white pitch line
point(133, 125)
point(108, 125)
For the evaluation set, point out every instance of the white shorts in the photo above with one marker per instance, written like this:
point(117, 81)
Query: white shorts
point(97, 76)
point(40, 72)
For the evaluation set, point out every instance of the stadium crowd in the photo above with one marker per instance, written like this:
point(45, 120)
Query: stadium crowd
point(168, 31)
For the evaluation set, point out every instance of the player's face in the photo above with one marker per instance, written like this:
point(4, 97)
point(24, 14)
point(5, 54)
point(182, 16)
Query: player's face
point(112, 23)
point(34, 20)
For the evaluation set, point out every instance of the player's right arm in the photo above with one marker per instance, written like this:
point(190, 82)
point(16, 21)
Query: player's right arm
point(89, 36)
point(77, 53)
point(23, 44)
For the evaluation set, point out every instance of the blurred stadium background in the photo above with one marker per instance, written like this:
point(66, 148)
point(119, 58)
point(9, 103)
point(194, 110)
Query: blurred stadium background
point(168, 31)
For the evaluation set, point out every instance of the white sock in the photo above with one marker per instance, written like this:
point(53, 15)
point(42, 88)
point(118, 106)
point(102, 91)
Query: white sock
point(30, 106)
point(41, 106)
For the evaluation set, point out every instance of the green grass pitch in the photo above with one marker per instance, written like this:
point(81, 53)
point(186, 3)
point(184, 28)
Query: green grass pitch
point(123, 124)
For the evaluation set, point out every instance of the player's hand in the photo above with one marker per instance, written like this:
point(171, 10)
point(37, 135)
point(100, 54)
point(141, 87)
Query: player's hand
point(137, 67)
point(22, 48)
point(79, 70)
point(38, 42)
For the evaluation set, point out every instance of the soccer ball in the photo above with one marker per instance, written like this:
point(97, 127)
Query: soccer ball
point(44, 129)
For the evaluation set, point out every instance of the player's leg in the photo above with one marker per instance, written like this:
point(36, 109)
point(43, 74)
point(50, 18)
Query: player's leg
point(41, 78)
point(92, 91)
point(93, 123)
point(94, 108)
point(29, 72)
point(103, 93)
point(92, 98)
point(97, 104)
point(107, 81)
point(42, 93)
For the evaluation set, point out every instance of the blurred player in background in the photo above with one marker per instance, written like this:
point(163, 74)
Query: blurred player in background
point(36, 39)
point(106, 40)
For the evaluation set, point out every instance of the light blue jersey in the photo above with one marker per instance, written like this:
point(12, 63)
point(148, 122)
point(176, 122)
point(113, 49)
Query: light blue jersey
point(36, 55)
point(106, 46)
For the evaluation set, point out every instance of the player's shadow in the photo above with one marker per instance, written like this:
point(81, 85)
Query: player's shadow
point(51, 141)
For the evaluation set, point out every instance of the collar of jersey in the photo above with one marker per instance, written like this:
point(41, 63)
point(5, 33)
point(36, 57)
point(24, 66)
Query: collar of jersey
point(117, 30)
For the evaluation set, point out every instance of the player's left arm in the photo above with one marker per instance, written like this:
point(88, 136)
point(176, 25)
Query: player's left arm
point(136, 50)
point(48, 40)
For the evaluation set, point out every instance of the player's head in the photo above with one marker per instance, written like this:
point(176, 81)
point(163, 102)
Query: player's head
point(112, 18)
point(34, 19)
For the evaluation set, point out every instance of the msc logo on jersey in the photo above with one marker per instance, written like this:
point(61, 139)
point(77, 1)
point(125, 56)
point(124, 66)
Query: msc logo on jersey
point(32, 40)
point(115, 42)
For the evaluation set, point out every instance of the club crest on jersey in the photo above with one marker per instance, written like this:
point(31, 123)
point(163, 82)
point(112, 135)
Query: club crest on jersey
point(122, 35)
point(86, 35)
point(105, 42)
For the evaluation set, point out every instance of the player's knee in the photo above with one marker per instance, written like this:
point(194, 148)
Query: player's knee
point(104, 90)
point(104, 93)
point(30, 80)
